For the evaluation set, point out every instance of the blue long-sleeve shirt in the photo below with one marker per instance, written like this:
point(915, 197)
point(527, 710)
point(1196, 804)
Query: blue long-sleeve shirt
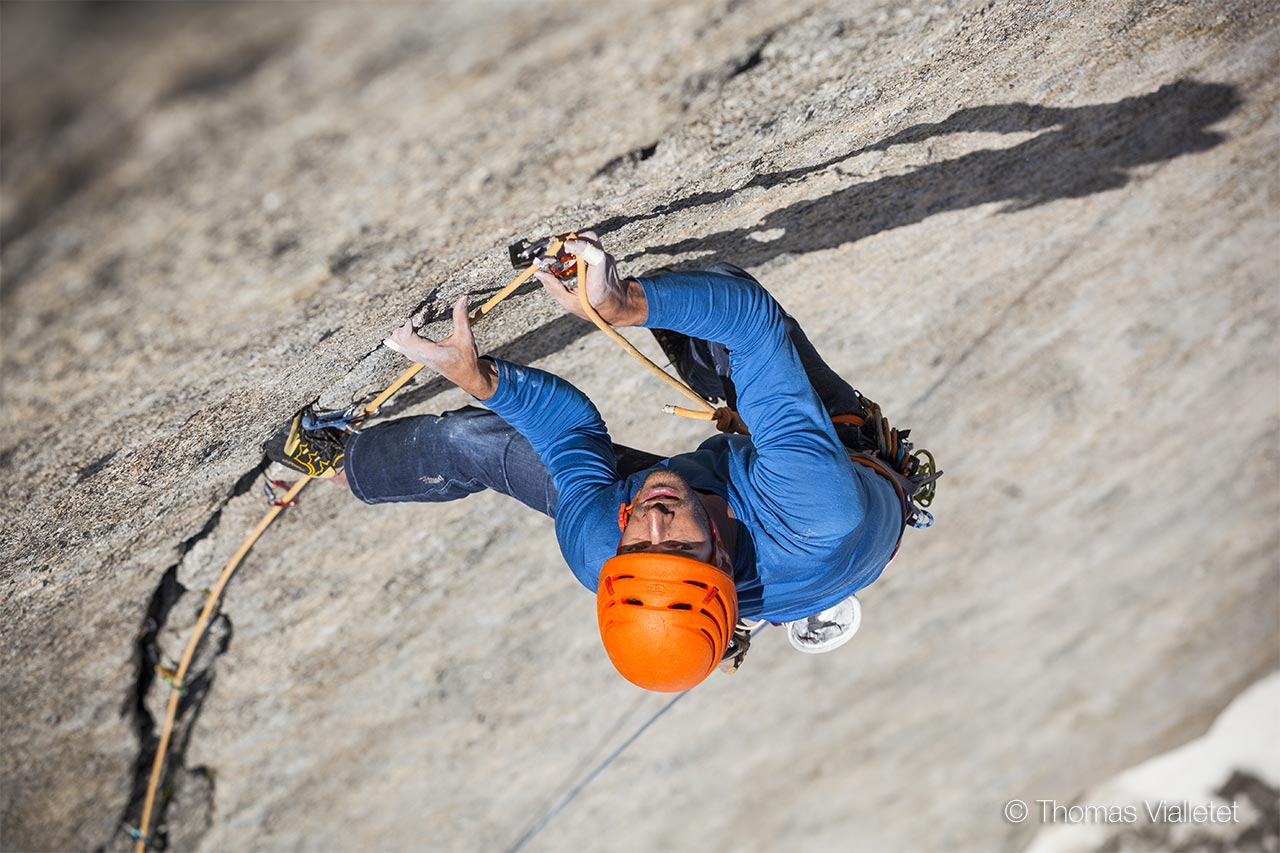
point(813, 528)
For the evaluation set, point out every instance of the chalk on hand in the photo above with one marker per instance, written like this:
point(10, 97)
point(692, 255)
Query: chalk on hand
point(390, 344)
point(593, 255)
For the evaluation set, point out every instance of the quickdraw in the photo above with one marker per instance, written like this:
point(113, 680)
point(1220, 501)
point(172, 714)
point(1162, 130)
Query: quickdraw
point(346, 420)
point(542, 254)
point(272, 500)
point(528, 257)
point(169, 677)
point(739, 644)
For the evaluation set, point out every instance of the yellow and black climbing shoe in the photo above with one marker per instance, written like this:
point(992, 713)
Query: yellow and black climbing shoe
point(674, 346)
point(314, 452)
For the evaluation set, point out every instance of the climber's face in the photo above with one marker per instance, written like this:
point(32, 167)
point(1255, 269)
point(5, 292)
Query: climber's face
point(668, 517)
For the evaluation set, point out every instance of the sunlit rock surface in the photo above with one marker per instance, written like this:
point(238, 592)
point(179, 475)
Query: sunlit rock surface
point(1043, 236)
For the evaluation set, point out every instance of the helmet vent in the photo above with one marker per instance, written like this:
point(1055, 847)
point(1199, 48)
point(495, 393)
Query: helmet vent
point(635, 602)
point(704, 612)
point(698, 584)
point(624, 577)
point(680, 606)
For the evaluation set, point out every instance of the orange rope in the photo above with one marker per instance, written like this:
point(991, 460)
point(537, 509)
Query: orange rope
point(157, 766)
point(692, 414)
point(475, 315)
point(710, 413)
point(603, 326)
point(187, 656)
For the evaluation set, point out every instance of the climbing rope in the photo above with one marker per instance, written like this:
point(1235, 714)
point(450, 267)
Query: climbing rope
point(176, 679)
point(602, 325)
point(488, 306)
point(746, 631)
point(726, 421)
point(577, 789)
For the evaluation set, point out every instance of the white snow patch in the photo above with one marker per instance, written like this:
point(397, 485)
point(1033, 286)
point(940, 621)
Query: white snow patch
point(1246, 736)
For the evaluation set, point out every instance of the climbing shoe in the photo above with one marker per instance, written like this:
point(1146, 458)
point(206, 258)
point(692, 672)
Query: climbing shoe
point(315, 452)
point(702, 366)
point(674, 346)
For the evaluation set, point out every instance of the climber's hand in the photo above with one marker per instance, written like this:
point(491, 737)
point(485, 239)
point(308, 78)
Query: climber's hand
point(455, 358)
point(619, 302)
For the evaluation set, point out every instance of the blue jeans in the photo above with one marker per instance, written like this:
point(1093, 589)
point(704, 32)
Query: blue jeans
point(434, 458)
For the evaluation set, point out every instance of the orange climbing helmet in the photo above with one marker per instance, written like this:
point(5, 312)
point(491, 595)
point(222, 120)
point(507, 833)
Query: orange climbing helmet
point(665, 620)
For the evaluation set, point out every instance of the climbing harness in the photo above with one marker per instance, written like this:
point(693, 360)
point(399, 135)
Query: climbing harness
point(913, 476)
point(888, 451)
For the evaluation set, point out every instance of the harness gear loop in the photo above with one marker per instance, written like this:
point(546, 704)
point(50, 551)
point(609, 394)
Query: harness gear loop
point(888, 451)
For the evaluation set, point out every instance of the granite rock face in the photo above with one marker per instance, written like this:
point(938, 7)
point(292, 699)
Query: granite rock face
point(1041, 235)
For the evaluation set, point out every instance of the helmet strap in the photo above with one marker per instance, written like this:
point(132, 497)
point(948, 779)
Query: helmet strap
point(719, 549)
point(624, 515)
point(715, 535)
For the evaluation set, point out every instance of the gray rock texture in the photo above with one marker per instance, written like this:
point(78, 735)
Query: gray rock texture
point(1044, 236)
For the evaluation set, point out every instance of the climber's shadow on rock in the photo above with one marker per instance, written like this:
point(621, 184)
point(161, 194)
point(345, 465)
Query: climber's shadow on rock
point(1082, 150)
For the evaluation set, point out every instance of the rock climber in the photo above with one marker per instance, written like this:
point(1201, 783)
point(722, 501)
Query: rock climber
point(777, 525)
